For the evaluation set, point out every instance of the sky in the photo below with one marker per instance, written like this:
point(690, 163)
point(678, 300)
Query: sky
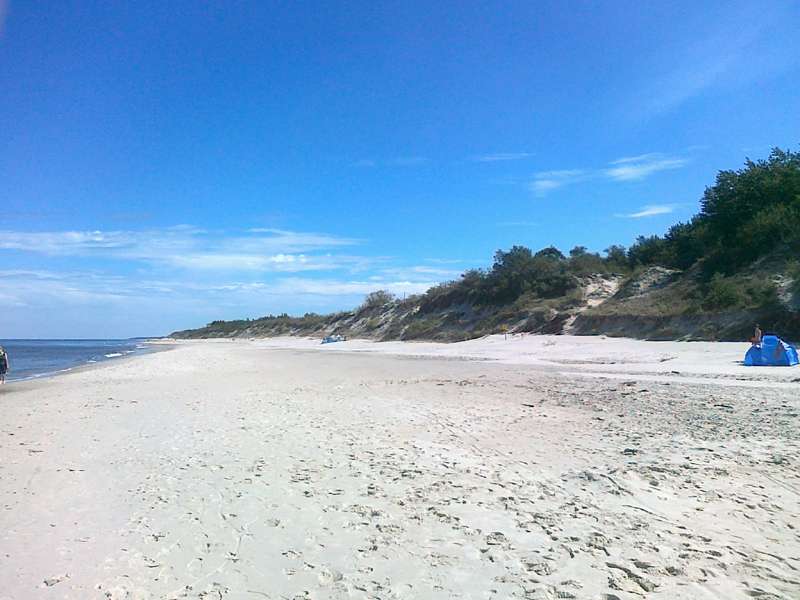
point(165, 164)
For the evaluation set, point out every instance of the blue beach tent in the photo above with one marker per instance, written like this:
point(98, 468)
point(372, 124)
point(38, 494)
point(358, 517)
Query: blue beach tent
point(772, 352)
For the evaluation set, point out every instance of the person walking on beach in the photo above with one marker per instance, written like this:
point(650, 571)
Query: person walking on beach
point(757, 336)
point(4, 365)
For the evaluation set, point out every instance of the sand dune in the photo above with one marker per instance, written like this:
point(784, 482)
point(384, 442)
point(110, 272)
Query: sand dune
point(282, 469)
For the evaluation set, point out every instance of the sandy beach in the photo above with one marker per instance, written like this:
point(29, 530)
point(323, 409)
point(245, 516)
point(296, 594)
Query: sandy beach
point(537, 467)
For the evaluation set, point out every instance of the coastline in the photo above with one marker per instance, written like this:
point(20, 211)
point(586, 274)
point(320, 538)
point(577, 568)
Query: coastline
point(231, 469)
point(154, 347)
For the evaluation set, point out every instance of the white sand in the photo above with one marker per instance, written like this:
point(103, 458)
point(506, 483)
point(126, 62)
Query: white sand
point(253, 470)
point(582, 356)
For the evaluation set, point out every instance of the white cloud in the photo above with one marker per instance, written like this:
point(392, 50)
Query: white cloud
point(546, 181)
point(651, 210)
point(266, 262)
point(9, 300)
point(186, 247)
point(32, 288)
point(240, 262)
point(629, 168)
point(501, 156)
point(86, 288)
point(416, 272)
point(639, 167)
point(147, 282)
point(561, 174)
point(332, 287)
point(92, 303)
point(541, 186)
point(29, 274)
point(63, 242)
point(636, 159)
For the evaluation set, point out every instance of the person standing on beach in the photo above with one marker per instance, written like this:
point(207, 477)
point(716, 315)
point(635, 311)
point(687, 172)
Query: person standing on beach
point(4, 365)
point(757, 335)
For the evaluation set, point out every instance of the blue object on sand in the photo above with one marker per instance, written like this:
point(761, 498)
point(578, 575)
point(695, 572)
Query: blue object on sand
point(332, 338)
point(772, 352)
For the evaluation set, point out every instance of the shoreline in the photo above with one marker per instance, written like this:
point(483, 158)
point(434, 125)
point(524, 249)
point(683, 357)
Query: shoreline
point(89, 365)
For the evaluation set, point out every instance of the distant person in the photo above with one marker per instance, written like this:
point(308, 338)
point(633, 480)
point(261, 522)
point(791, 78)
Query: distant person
point(4, 365)
point(757, 335)
point(778, 354)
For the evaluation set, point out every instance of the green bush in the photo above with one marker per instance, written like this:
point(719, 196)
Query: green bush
point(793, 272)
point(762, 294)
point(582, 262)
point(420, 328)
point(721, 293)
point(377, 299)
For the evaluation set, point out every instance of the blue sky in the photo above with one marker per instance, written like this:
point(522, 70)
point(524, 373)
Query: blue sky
point(163, 164)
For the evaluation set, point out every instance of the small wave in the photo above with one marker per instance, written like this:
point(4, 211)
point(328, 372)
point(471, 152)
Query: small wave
point(113, 355)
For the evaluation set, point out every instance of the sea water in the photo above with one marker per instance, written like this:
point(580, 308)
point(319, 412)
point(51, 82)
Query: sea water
point(38, 358)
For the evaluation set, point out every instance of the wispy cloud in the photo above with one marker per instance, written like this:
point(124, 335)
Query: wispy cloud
point(501, 156)
point(31, 288)
point(400, 161)
point(725, 57)
point(651, 210)
point(87, 288)
point(155, 280)
point(419, 272)
point(186, 247)
point(332, 287)
point(629, 168)
point(254, 262)
point(547, 181)
point(146, 282)
point(639, 167)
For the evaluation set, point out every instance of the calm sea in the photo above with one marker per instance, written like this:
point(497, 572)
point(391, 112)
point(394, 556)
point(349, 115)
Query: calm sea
point(37, 358)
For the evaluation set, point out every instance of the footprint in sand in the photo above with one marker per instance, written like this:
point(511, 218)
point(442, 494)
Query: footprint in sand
point(51, 581)
point(195, 566)
point(328, 576)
